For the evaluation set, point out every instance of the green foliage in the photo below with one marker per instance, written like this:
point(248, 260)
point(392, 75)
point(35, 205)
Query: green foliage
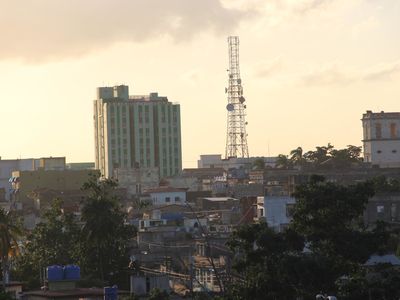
point(380, 282)
point(259, 164)
point(385, 185)
point(105, 237)
point(157, 294)
point(323, 157)
point(328, 215)
point(5, 296)
point(266, 261)
point(283, 162)
point(129, 297)
point(10, 231)
point(53, 241)
point(100, 246)
point(327, 220)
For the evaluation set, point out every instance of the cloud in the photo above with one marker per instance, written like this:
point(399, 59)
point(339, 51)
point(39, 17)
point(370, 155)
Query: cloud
point(331, 75)
point(37, 30)
point(383, 72)
point(339, 75)
point(268, 68)
point(304, 6)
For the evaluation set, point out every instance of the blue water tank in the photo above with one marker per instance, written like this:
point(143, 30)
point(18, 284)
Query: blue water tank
point(72, 272)
point(111, 293)
point(55, 273)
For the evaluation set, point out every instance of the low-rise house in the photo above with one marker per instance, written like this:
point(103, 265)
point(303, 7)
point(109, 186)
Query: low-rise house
point(277, 211)
point(167, 195)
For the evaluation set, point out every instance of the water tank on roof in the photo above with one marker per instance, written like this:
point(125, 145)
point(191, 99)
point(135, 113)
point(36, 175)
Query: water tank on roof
point(72, 272)
point(55, 273)
point(111, 293)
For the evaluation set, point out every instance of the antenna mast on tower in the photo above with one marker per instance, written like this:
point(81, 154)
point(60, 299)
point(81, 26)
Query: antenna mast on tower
point(236, 137)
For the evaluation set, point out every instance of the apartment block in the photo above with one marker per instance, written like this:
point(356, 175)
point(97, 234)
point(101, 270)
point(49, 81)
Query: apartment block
point(136, 132)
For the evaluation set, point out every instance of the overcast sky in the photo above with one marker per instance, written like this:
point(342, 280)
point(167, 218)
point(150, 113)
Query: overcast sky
point(310, 68)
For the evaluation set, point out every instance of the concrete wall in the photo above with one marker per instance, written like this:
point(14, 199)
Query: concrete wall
point(30, 164)
point(137, 180)
point(276, 211)
point(161, 198)
point(54, 180)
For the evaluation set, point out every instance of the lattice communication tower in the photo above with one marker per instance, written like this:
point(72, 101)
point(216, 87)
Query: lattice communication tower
point(236, 137)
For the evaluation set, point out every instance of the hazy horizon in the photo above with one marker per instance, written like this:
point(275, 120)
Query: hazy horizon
point(310, 69)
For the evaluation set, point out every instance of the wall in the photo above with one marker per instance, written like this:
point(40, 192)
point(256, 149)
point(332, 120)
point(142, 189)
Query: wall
point(161, 198)
point(137, 180)
point(275, 211)
point(54, 180)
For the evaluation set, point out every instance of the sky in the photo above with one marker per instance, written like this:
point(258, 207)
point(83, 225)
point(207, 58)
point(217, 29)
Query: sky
point(309, 68)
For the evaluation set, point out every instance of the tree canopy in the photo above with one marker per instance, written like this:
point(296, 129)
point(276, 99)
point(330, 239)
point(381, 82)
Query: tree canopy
point(322, 157)
point(323, 248)
point(98, 242)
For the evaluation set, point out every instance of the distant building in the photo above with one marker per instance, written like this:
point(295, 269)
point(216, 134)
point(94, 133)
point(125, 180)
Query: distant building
point(381, 138)
point(81, 166)
point(7, 166)
point(136, 131)
point(276, 210)
point(137, 180)
point(216, 161)
point(167, 195)
point(26, 182)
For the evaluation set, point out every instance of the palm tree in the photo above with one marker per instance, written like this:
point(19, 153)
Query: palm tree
point(9, 234)
point(297, 156)
point(283, 162)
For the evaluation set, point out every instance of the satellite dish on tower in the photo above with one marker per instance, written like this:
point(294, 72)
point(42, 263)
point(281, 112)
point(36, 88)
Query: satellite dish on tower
point(241, 99)
point(230, 107)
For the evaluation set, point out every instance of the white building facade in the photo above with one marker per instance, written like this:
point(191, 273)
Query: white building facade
point(381, 139)
point(277, 211)
point(167, 196)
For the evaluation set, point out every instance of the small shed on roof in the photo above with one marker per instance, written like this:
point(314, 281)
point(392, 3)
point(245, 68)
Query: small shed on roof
point(383, 259)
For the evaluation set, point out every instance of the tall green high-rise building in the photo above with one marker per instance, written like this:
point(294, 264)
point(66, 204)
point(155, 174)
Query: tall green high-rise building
point(136, 131)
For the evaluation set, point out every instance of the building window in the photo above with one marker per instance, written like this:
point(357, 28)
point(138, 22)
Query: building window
point(379, 151)
point(167, 199)
point(394, 151)
point(378, 130)
point(177, 199)
point(393, 130)
point(380, 209)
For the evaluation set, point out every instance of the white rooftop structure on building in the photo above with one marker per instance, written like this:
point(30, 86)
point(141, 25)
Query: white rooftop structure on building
point(381, 138)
